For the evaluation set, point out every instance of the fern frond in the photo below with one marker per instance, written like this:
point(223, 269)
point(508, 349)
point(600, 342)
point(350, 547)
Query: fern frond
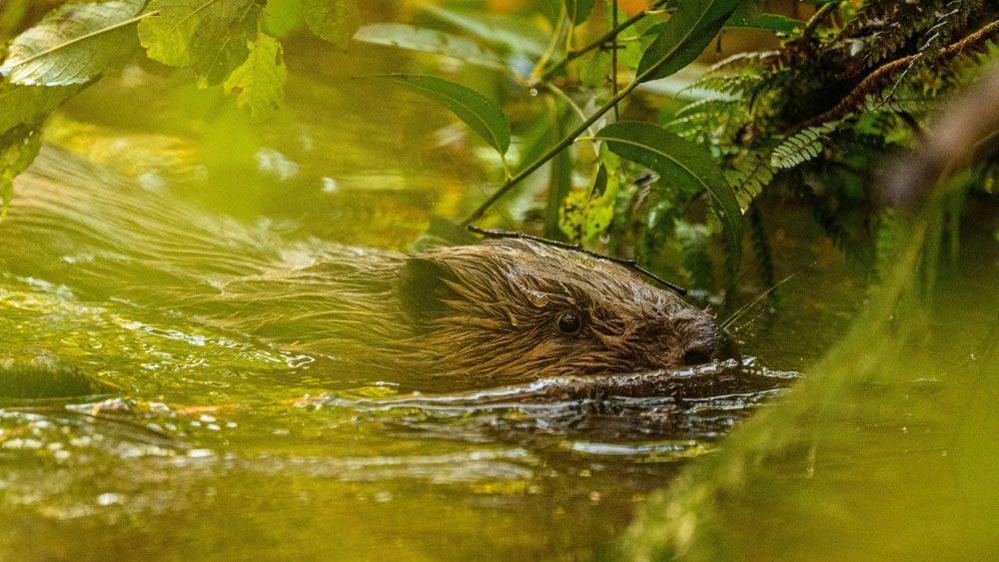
point(743, 61)
point(735, 85)
point(709, 106)
point(749, 177)
point(707, 119)
point(803, 146)
point(953, 21)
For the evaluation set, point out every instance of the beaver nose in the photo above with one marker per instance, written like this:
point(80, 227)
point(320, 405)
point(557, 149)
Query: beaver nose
point(717, 346)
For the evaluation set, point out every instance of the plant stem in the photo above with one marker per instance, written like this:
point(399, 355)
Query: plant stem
point(816, 20)
point(562, 145)
point(569, 101)
point(609, 36)
point(614, 24)
point(571, 137)
point(560, 22)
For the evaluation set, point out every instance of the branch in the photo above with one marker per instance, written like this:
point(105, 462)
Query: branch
point(564, 143)
point(816, 20)
point(553, 151)
point(873, 80)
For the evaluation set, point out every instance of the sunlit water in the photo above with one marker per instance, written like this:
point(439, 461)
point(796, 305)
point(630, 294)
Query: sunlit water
point(204, 444)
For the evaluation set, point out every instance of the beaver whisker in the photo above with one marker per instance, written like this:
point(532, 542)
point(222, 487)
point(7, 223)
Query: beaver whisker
point(732, 318)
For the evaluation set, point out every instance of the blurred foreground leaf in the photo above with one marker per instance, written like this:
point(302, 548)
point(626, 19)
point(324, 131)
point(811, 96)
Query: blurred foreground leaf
point(429, 41)
point(208, 35)
point(259, 82)
point(74, 44)
point(18, 149)
point(883, 452)
point(515, 34)
point(333, 20)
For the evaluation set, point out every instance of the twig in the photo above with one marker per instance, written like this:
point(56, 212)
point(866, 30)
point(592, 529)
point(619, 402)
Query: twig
point(630, 264)
point(617, 112)
point(873, 80)
point(553, 44)
point(569, 101)
point(553, 151)
point(734, 317)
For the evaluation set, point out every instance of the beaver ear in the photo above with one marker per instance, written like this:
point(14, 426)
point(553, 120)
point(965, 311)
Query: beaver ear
point(423, 289)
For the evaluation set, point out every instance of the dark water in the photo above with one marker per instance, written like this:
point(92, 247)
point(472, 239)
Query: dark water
point(201, 444)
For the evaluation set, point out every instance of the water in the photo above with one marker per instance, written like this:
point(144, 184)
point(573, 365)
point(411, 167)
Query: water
point(206, 444)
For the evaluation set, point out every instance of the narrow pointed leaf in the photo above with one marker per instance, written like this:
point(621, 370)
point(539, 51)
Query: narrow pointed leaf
point(74, 44)
point(259, 82)
point(477, 111)
point(684, 164)
point(684, 37)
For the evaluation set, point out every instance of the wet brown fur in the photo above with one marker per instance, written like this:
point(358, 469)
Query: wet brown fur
point(454, 317)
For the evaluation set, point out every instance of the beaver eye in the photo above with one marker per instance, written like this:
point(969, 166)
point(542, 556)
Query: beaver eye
point(570, 323)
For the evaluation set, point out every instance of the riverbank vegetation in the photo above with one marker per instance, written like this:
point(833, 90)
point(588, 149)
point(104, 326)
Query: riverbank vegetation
point(728, 146)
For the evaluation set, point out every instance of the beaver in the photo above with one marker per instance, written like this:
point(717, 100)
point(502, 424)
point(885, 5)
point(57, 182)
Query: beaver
point(500, 312)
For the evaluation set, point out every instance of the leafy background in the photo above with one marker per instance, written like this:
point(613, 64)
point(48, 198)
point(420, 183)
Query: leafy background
point(727, 145)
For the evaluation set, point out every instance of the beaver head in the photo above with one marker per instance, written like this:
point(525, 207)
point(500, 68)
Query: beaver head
point(514, 309)
point(507, 310)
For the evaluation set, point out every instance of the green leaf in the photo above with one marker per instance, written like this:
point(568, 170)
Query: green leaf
point(516, 34)
point(587, 213)
point(74, 44)
point(579, 10)
point(259, 82)
point(18, 149)
point(281, 17)
point(429, 41)
point(684, 37)
point(681, 162)
point(333, 20)
point(27, 105)
point(802, 146)
point(208, 35)
point(478, 112)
